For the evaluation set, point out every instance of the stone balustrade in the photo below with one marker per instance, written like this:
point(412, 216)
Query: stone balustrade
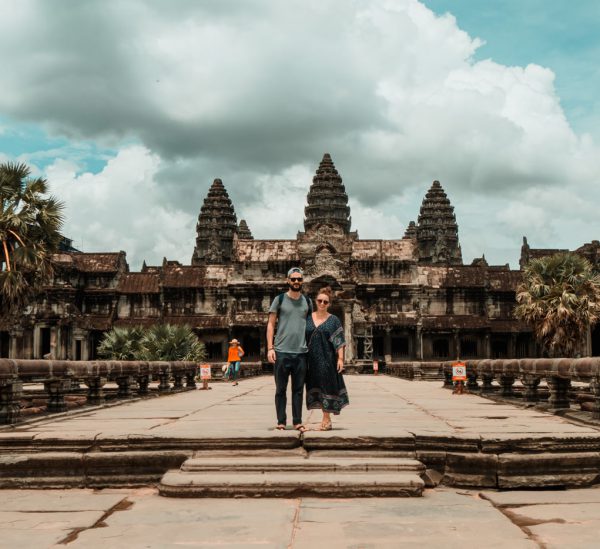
point(59, 376)
point(558, 373)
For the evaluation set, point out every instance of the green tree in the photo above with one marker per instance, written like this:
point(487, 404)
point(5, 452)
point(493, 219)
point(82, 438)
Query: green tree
point(30, 224)
point(122, 344)
point(560, 298)
point(160, 342)
point(172, 343)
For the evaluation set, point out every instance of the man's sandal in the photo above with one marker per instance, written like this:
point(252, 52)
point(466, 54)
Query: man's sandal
point(300, 428)
point(280, 427)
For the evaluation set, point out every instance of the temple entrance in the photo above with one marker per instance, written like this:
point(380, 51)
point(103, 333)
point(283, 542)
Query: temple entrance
point(440, 348)
point(96, 337)
point(596, 341)
point(4, 344)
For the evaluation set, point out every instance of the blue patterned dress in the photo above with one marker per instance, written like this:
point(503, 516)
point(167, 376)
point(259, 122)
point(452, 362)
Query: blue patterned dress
point(325, 387)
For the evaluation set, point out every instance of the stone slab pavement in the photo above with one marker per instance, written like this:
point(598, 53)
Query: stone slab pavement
point(130, 518)
point(379, 406)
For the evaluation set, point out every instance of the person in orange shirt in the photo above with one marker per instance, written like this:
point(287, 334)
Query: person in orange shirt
point(234, 357)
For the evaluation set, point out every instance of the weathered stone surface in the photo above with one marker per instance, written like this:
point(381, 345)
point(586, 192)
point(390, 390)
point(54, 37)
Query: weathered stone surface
point(470, 470)
point(291, 484)
point(545, 470)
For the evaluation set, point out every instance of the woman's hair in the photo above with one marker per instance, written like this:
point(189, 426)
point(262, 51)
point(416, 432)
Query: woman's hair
point(327, 291)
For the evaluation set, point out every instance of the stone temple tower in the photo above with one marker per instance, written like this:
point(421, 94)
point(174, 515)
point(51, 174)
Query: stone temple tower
point(216, 227)
point(327, 199)
point(437, 231)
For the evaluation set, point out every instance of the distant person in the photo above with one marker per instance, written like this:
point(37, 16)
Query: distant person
point(325, 387)
point(234, 357)
point(287, 350)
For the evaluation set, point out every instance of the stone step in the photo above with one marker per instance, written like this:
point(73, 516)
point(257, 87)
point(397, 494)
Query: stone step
point(296, 463)
point(289, 484)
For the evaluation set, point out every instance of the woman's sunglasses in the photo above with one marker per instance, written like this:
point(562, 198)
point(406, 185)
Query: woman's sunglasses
point(323, 301)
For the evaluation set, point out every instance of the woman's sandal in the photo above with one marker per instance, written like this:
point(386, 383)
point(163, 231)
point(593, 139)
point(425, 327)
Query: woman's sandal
point(326, 426)
point(300, 428)
point(280, 427)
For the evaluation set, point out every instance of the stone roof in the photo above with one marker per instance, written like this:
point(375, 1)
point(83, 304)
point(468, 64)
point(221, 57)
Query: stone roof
point(179, 276)
point(139, 283)
point(109, 262)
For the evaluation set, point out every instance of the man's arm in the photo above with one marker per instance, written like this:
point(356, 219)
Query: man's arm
point(270, 333)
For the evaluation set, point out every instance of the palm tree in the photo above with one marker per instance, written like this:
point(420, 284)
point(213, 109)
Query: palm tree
point(172, 343)
point(30, 226)
point(560, 298)
point(122, 344)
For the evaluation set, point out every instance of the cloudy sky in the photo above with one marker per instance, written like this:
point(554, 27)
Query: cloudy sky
point(131, 108)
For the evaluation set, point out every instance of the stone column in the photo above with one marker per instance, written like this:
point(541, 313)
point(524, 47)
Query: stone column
point(595, 388)
point(419, 342)
point(56, 389)
point(487, 347)
point(387, 345)
point(348, 333)
point(95, 390)
point(124, 383)
point(36, 342)
point(455, 352)
point(16, 343)
point(530, 382)
point(559, 392)
point(512, 346)
point(507, 383)
point(10, 394)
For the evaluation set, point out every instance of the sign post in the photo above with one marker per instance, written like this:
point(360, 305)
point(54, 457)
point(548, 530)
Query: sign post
point(459, 376)
point(376, 367)
point(205, 376)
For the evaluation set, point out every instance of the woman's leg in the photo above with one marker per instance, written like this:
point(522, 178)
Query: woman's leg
point(326, 423)
point(236, 368)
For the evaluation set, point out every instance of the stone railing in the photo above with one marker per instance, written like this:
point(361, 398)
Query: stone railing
point(557, 372)
point(60, 376)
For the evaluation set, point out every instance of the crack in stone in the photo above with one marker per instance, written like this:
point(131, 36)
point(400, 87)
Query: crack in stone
point(122, 505)
point(519, 522)
point(295, 524)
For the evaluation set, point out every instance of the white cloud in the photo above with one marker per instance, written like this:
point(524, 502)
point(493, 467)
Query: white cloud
point(121, 206)
point(255, 92)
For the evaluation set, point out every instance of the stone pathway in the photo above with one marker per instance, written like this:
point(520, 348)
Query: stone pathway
point(379, 406)
point(442, 518)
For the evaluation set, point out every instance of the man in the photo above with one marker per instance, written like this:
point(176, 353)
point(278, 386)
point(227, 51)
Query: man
point(288, 351)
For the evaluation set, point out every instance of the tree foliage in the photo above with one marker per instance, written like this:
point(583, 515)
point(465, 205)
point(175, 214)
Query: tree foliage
point(30, 224)
point(560, 298)
point(160, 342)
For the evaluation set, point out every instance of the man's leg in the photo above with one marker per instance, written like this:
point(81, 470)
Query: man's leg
point(282, 374)
point(298, 379)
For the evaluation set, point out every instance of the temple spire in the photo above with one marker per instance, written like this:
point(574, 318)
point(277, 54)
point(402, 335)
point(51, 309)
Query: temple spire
point(216, 226)
point(437, 231)
point(327, 201)
point(244, 231)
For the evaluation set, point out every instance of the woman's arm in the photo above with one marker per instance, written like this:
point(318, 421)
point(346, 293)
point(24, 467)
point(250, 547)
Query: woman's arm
point(340, 359)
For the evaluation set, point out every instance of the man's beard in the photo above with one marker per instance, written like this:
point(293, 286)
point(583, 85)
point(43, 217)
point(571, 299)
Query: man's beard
point(294, 288)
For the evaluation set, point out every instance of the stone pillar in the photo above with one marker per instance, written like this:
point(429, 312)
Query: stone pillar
point(36, 342)
point(507, 383)
point(16, 344)
point(178, 381)
point(190, 378)
point(595, 388)
point(95, 390)
point(559, 392)
point(10, 394)
point(419, 342)
point(487, 347)
point(348, 333)
point(387, 345)
point(163, 386)
point(56, 389)
point(455, 351)
point(472, 384)
point(124, 383)
point(512, 346)
point(487, 386)
point(530, 382)
point(143, 385)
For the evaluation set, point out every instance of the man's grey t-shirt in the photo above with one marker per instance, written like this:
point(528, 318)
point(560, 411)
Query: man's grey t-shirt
point(291, 324)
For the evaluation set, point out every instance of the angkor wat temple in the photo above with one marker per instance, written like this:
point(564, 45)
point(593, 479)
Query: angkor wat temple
point(404, 299)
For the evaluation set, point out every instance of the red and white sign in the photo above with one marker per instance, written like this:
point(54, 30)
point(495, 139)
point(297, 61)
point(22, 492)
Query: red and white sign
point(204, 371)
point(459, 371)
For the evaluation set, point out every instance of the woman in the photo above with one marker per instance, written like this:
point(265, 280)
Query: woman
point(234, 357)
point(325, 387)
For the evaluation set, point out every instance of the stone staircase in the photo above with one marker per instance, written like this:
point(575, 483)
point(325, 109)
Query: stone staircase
point(286, 475)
